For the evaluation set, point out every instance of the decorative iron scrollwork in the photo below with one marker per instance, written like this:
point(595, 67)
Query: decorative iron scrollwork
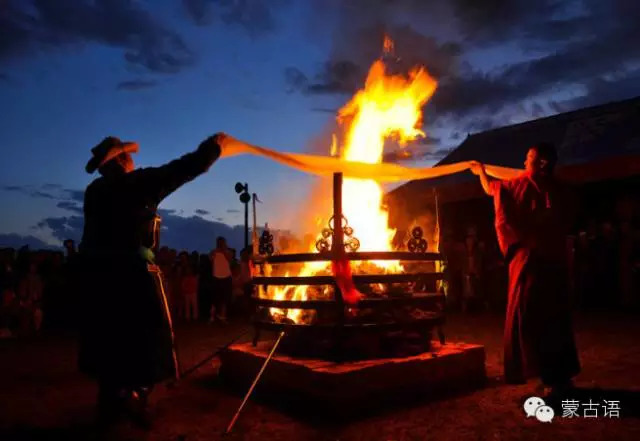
point(351, 243)
point(417, 243)
point(266, 243)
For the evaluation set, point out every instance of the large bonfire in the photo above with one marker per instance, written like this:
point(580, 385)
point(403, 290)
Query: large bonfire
point(387, 108)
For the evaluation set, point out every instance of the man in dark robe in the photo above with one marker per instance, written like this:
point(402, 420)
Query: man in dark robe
point(126, 338)
point(532, 223)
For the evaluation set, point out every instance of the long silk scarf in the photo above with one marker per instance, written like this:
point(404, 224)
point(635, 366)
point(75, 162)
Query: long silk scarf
point(383, 172)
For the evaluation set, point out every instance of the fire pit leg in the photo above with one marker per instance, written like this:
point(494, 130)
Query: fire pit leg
point(338, 253)
point(440, 334)
point(256, 336)
point(246, 397)
point(338, 332)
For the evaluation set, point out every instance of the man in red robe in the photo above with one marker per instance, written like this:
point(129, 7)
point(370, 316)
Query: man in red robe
point(532, 220)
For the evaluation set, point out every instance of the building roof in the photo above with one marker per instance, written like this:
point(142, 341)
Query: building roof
point(607, 134)
point(581, 136)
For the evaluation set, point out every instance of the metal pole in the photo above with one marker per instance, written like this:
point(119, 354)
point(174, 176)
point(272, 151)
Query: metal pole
point(435, 198)
point(254, 235)
point(201, 363)
point(246, 218)
point(246, 397)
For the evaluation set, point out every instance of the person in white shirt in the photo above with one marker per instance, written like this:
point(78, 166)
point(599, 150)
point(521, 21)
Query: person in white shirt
point(222, 281)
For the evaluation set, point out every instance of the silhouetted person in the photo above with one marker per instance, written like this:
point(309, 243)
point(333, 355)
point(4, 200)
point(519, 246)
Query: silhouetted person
point(69, 295)
point(205, 287)
point(584, 270)
point(472, 267)
point(126, 336)
point(532, 224)
point(221, 259)
point(69, 247)
point(30, 290)
point(607, 267)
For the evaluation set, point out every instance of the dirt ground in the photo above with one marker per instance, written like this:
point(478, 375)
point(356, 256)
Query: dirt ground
point(44, 397)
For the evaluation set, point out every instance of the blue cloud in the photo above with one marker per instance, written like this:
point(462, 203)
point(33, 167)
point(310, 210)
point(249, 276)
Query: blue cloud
point(17, 241)
point(183, 233)
point(70, 206)
point(133, 85)
point(29, 26)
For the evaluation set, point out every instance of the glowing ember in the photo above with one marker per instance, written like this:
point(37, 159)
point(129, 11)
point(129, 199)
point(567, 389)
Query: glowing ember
point(388, 108)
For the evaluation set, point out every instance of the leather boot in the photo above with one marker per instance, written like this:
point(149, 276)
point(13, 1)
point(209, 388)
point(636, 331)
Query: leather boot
point(137, 408)
point(110, 407)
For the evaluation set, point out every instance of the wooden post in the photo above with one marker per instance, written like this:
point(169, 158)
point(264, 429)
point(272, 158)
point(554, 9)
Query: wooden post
point(338, 234)
point(337, 249)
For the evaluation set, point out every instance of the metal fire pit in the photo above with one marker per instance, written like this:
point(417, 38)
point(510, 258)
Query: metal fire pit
point(337, 326)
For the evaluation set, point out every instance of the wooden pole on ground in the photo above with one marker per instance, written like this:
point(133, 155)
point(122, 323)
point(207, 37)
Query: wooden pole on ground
point(246, 397)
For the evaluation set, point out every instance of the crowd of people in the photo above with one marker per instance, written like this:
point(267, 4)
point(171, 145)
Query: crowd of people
point(603, 258)
point(207, 287)
point(38, 288)
point(35, 289)
point(605, 265)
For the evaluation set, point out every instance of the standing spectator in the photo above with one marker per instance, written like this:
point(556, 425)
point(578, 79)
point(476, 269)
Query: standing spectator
point(205, 287)
point(584, 270)
point(30, 290)
point(7, 270)
point(189, 292)
point(222, 282)
point(452, 251)
point(472, 272)
point(178, 300)
point(607, 271)
point(496, 277)
point(58, 305)
point(8, 311)
point(237, 286)
point(70, 292)
point(70, 248)
point(194, 259)
point(23, 260)
point(246, 273)
point(635, 270)
point(9, 306)
point(625, 265)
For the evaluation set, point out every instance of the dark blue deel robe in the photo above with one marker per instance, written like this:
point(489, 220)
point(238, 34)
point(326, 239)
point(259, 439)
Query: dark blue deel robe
point(126, 338)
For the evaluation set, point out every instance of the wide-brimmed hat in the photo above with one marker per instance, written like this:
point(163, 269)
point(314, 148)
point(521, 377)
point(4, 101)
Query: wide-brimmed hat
point(109, 148)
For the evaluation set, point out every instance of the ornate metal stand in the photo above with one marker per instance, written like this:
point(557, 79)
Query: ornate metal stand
point(335, 325)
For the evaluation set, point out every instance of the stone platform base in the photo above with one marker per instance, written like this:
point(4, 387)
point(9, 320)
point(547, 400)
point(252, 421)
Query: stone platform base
point(351, 387)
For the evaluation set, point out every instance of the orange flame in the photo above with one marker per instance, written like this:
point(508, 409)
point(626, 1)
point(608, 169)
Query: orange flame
point(389, 107)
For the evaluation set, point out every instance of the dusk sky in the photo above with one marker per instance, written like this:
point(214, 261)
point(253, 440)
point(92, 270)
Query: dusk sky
point(169, 73)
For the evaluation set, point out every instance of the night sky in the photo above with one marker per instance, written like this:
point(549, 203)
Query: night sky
point(169, 73)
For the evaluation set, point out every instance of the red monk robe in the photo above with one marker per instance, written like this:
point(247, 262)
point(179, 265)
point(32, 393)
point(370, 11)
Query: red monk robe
point(531, 221)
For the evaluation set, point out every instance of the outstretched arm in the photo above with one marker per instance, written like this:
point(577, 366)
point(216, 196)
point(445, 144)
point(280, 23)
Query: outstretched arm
point(477, 169)
point(156, 183)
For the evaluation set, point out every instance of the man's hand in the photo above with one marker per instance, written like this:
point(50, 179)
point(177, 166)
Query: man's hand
point(213, 145)
point(220, 138)
point(477, 168)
